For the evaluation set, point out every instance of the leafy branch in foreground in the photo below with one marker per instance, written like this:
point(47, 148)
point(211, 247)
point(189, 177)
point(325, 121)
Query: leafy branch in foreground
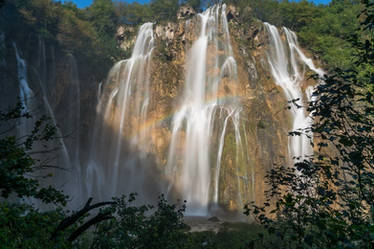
point(142, 226)
point(16, 163)
point(328, 201)
point(118, 223)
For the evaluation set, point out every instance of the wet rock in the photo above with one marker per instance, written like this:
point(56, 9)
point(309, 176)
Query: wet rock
point(214, 219)
point(123, 32)
point(125, 36)
point(266, 128)
point(186, 227)
point(252, 73)
point(160, 31)
point(167, 32)
point(232, 13)
point(185, 12)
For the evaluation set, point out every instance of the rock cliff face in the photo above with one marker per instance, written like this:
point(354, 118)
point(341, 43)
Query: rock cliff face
point(51, 73)
point(58, 89)
point(265, 115)
point(136, 142)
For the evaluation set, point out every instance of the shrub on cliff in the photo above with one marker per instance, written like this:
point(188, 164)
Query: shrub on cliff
point(328, 201)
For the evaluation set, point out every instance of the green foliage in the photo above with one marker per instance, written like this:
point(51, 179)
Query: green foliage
point(164, 9)
point(119, 223)
point(156, 11)
point(16, 162)
point(232, 235)
point(328, 201)
point(134, 13)
point(88, 34)
point(141, 227)
point(195, 4)
point(103, 18)
point(22, 226)
point(328, 34)
point(324, 29)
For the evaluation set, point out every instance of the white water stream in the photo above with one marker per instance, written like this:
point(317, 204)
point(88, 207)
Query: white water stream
point(201, 108)
point(287, 63)
point(207, 112)
point(67, 142)
point(122, 105)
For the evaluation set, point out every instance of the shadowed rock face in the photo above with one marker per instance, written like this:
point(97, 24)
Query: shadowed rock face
point(185, 12)
point(46, 86)
point(248, 145)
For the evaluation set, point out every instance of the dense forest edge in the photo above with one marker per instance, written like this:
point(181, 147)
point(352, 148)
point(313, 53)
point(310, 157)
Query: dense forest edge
point(324, 202)
point(88, 33)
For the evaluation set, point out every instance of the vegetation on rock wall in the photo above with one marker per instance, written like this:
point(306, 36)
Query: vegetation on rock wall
point(327, 201)
point(323, 29)
point(155, 11)
point(323, 203)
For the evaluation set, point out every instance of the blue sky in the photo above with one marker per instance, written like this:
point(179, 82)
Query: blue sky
point(85, 3)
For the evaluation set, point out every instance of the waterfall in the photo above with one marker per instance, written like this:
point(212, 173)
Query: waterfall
point(63, 107)
point(65, 117)
point(287, 63)
point(122, 109)
point(63, 157)
point(207, 109)
point(201, 109)
point(26, 95)
point(189, 140)
point(68, 120)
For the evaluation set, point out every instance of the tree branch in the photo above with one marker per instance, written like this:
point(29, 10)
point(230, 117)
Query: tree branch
point(65, 223)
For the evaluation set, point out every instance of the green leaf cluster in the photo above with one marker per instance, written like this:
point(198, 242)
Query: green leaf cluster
point(118, 224)
point(22, 226)
point(327, 201)
point(323, 29)
point(141, 226)
point(16, 164)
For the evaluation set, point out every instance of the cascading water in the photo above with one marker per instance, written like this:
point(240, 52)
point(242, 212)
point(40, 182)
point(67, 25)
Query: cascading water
point(193, 141)
point(68, 120)
point(207, 108)
point(67, 155)
point(285, 62)
point(122, 110)
point(63, 108)
point(210, 67)
point(26, 95)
